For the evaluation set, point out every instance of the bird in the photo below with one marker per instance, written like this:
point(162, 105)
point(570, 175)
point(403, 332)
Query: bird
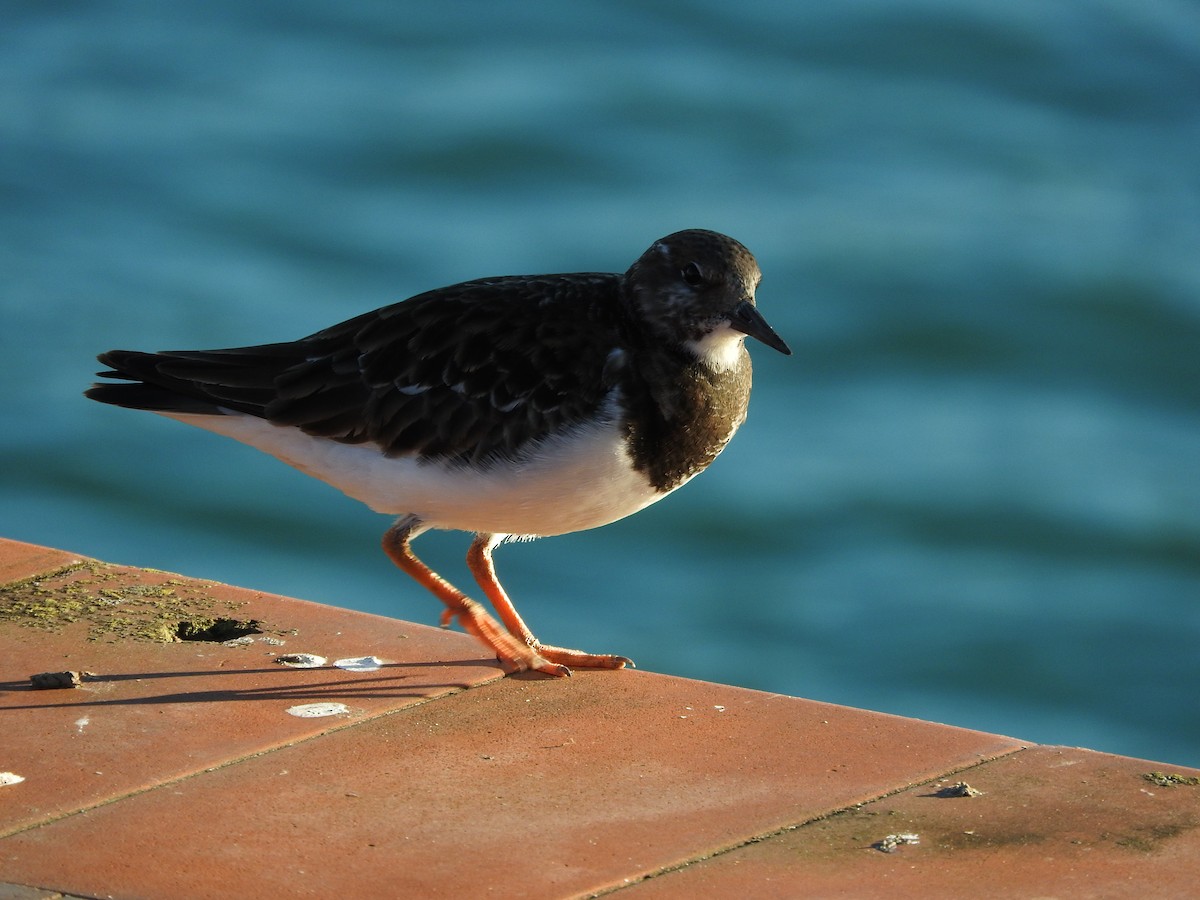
point(511, 408)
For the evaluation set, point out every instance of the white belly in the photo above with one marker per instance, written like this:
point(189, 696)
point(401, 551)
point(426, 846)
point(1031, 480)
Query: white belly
point(575, 481)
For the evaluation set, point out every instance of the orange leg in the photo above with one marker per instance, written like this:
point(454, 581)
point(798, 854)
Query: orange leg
point(473, 617)
point(479, 558)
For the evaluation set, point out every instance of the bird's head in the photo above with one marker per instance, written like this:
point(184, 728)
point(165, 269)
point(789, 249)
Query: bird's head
point(695, 289)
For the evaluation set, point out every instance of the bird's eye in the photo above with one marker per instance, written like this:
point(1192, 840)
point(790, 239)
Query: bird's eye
point(692, 274)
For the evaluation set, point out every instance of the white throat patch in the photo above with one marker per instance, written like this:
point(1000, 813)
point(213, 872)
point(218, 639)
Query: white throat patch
point(720, 349)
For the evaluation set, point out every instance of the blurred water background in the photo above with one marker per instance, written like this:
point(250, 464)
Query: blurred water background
point(973, 493)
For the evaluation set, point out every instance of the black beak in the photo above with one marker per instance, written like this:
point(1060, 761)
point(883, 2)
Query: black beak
point(749, 321)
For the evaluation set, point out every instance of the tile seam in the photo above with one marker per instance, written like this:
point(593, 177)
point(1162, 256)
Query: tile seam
point(785, 829)
point(179, 779)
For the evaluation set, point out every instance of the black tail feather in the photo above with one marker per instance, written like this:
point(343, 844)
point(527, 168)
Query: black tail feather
point(149, 397)
point(194, 382)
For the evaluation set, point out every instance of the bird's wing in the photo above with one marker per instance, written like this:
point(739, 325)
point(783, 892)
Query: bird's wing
point(471, 372)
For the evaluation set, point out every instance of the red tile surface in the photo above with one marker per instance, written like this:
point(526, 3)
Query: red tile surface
point(531, 788)
point(19, 560)
point(159, 711)
point(1051, 822)
point(178, 772)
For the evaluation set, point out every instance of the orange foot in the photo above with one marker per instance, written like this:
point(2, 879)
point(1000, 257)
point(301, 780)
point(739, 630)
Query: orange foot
point(521, 655)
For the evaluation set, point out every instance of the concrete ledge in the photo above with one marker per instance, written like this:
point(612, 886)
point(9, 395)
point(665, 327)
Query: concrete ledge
point(183, 769)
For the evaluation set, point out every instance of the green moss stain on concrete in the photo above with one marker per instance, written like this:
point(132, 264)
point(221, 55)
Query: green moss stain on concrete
point(121, 604)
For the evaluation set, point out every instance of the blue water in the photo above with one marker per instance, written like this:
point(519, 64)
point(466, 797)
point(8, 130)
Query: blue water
point(973, 493)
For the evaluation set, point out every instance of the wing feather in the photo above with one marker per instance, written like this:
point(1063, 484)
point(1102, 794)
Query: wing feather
point(472, 372)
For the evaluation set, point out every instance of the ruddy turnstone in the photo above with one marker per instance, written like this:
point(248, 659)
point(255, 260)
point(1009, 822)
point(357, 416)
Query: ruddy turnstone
point(512, 407)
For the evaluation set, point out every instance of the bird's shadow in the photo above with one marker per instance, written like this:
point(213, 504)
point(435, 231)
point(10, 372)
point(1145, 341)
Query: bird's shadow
point(384, 686)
